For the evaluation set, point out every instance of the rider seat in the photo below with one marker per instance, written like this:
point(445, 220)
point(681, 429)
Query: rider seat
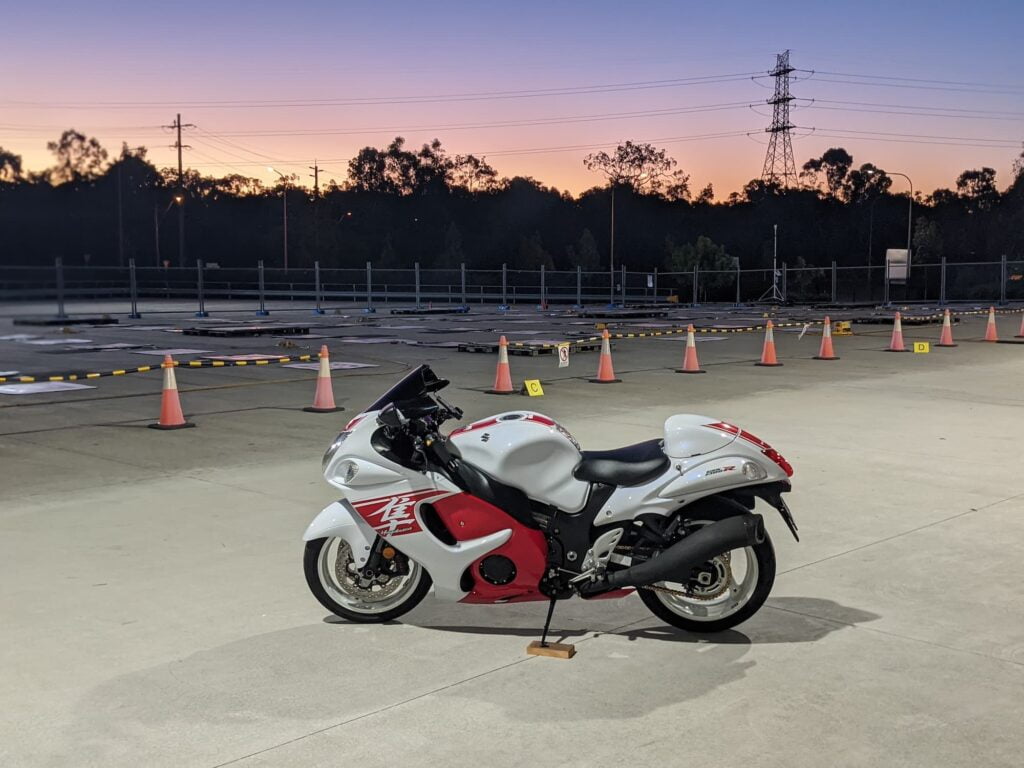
point(631, 465)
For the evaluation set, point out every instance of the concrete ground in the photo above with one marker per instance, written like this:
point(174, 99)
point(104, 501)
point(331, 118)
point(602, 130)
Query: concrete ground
point(154, 610)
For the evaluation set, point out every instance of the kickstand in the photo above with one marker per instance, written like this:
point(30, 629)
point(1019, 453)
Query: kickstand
point(547, 624)
point(544, 648)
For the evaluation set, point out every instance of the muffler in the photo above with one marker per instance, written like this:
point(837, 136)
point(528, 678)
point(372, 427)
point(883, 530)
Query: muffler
point(676, 562)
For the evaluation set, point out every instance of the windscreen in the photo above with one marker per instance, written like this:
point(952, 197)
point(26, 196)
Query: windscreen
point(417, 384)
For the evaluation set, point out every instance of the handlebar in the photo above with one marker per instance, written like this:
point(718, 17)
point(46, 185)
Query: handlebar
point(420, 430)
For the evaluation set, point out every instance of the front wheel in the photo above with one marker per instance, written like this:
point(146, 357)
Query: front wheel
point(721, 593)
point(335, 581)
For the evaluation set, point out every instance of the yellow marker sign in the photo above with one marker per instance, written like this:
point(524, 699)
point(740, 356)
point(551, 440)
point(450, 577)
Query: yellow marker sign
point(921, 347)
point(533, 388)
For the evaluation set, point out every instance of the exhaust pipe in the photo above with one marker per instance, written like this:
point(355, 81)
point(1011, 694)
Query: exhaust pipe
point(676, 562)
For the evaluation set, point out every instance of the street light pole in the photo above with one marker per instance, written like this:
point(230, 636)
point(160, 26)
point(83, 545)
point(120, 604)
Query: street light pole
point(611, 254)
point(284, 207)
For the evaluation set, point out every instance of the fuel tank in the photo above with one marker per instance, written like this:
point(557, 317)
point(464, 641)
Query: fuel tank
point(528, 451)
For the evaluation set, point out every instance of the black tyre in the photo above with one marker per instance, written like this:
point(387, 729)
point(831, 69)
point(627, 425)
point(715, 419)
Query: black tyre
point(722, 602)
point(326, 563)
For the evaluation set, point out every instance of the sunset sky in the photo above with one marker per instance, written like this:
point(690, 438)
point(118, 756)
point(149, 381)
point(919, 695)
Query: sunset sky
point(283, 84)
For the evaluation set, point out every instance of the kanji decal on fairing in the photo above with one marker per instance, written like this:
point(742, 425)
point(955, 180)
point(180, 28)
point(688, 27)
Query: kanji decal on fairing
point(396, 515)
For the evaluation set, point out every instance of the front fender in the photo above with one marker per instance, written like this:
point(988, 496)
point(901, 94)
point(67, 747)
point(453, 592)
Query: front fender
point(340, 520)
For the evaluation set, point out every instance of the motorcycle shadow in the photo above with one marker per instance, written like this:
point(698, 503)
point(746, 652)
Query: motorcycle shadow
point(781, 620)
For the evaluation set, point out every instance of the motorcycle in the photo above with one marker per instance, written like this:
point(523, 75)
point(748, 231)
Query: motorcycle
point(508, 509)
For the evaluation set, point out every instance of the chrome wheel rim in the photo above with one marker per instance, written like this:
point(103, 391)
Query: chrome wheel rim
point(339, 578)
point(732, 585)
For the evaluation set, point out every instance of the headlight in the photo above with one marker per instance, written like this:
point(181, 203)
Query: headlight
point(753, 471)
point(329, 454)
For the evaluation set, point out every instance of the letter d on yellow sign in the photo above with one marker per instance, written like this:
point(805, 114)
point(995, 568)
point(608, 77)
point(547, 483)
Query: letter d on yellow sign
point(921, 347)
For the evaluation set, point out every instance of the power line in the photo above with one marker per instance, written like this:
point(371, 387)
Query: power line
point(602, 145)
point(954, 89)
point(914, 79)
point(977, 141)
point(386, 100)
point(497, 124)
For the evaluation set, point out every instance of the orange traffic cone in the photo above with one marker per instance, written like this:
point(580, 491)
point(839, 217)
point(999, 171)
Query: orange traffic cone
point(896, 343)
point(768, 352)
point(946, 337)
point(990, 329)
point(1020, 333)
point(171, 416)
point(503, 376)
point(323, 399)
point(605, 372)
point(825, 352)
point(690, 364)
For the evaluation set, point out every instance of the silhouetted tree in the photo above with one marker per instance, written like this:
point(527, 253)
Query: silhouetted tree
point(587, 255)
point(706, 195)
point(978, 188)
point(10, 166)
point(452, 255)
point(637, 166)
point(865, 184)
point(834, 163)
point(78, 158)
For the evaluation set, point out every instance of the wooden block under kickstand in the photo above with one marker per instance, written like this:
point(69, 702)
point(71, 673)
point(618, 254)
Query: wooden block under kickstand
point(554, 650)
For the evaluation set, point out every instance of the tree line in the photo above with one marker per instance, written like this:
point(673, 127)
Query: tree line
point(400, 205)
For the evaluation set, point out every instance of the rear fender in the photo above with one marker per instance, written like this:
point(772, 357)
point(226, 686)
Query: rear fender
point(769, 492)
point(340, 520)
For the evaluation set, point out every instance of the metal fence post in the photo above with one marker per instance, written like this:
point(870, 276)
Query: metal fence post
point(417, 269)
point(504, 286)
point(738, 302)
point(885, 287)
point(318, 289)
point(784, 276)
point(833, 282)
point(655, 285)
point(462, 270)
point(369, 288)
point(199, 290)
point(579, 286)
point(694, 302)
point(543, 289)
point(1002, 279)
point(133, 287)
point(262, 311)
point(58, 265)
point(942, 282)
point(622, 300)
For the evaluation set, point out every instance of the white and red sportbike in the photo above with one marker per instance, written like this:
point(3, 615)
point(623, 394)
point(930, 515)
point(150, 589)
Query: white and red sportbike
point(508, 509)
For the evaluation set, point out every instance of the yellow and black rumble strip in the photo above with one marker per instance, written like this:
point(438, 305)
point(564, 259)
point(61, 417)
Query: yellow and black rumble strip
point(82, 375)
point(584, 342)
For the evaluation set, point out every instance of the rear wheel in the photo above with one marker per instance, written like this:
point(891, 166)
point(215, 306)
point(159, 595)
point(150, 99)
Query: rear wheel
point(724, 591)
point(396, 588)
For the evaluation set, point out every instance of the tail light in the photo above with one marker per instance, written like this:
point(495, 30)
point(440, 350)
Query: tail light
point(779, 459)
point(766, 449)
